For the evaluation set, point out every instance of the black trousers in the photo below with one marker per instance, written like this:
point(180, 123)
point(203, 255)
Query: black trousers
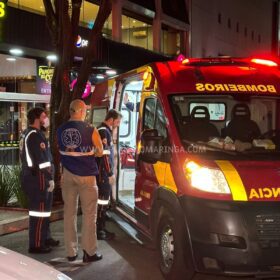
point(40, 201)
point(104, 192)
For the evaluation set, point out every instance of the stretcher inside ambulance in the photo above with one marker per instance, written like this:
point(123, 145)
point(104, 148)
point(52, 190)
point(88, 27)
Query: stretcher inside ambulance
point(205, 186)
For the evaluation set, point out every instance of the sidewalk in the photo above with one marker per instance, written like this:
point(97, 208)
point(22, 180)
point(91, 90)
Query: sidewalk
point(16, 219)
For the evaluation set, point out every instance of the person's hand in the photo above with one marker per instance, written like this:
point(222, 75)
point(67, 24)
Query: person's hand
point(112, 180)
point(51, 186)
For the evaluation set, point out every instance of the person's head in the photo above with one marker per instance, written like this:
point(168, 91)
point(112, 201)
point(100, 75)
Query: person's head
point(113, 118)
point(78, 110)
point(37, 117)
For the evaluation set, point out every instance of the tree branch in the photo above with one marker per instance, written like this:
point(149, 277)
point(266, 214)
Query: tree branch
point(92, 50)
point(51, 20)
point(75, 18)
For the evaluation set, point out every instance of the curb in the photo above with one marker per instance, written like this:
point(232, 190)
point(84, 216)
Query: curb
point(21, 223)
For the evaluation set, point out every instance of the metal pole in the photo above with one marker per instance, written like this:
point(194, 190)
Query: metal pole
point(15, 77)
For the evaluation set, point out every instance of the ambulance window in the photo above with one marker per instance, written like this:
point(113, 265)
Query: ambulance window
point(98, 115)
point(126, 121)
point(217, 111)
point(160, 122)
point(149, 115)
point(154, 117)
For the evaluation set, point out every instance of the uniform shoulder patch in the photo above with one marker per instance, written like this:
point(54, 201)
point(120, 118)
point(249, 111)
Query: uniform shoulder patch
point(43, 145)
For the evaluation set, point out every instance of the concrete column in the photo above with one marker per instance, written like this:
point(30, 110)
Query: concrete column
point(157, 27)
point(188, 35)
point(117, 20)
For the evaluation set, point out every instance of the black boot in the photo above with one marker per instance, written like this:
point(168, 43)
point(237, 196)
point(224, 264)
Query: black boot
point(51, 242)
point(94, 258)
point(102, 233)
point(39, 250)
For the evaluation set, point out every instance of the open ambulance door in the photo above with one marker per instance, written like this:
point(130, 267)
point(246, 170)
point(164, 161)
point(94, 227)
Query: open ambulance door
point(127, 101)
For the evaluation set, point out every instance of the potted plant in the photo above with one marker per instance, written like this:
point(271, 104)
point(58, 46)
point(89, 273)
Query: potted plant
point(6, 186)
point(21, 197)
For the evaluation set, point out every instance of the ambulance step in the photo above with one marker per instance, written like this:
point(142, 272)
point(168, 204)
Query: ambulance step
point(126, 227)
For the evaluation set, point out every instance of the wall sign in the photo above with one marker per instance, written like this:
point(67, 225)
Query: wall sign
point(44, 79)
point(81, 43)
point(2, 9)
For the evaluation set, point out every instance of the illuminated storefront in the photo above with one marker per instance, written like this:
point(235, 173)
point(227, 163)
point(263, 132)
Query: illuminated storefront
point(23, 85)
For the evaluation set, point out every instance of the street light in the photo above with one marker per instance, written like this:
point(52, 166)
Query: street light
point(16, 51)
point(111, 72)
point(52, 58)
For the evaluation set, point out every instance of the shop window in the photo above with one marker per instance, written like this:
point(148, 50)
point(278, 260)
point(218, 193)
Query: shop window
point(88, 15)
point(170, 41)
point(34, 6)
point(137, 33)
point(107, 28)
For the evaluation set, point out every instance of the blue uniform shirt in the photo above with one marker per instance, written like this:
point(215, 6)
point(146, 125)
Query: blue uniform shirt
point(76, 148)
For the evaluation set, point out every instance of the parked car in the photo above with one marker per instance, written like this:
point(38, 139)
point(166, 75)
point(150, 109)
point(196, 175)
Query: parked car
point(15, 266)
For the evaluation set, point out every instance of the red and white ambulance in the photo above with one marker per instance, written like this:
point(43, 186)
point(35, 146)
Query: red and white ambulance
point(198, 163)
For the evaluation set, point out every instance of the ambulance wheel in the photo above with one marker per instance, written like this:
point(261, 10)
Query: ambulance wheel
point(172, 248)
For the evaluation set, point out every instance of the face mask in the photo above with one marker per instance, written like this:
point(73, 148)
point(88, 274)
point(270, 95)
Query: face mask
point(46, 122)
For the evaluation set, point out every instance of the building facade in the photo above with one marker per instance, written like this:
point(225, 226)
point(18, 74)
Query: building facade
point(232, 27)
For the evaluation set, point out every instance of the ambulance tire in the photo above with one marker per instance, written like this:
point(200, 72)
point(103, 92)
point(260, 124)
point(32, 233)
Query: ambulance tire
point(171, 247)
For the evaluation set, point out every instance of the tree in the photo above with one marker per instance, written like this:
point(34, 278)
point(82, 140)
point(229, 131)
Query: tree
point(62, 18)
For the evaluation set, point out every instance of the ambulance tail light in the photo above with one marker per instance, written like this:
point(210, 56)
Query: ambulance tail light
point(264, 62)
point(206, 179)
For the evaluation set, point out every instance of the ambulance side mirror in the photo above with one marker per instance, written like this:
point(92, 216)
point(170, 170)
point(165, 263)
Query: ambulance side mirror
point(150, 149)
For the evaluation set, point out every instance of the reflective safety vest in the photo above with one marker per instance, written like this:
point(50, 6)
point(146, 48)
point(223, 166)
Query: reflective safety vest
point(76, 148)
point(34, 152)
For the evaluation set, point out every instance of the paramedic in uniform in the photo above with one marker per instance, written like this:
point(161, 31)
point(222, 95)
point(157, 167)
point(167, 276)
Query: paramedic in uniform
point(37, 181)
point(79, 143)
point(106, 177)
